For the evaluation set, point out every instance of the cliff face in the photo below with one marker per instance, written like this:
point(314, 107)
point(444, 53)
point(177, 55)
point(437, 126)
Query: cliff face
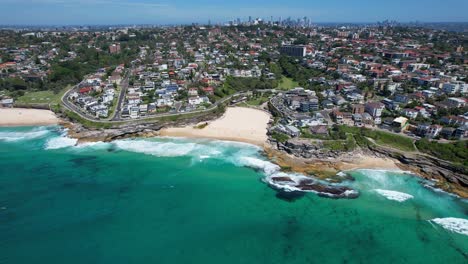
point(427, 166)
point(304, 148)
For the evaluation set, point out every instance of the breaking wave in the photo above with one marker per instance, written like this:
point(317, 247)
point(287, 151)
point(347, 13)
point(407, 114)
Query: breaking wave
point(256, 163)
point(457, 225)
point(394, 195)
point(60, 142)
point(160, 149)
point(168, 148)
point(12, 136)
point(294, 182)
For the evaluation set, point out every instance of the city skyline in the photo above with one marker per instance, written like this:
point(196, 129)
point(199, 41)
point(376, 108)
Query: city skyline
point(74, 12)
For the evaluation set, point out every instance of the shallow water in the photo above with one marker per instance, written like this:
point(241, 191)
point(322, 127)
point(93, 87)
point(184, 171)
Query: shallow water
point(198, 201)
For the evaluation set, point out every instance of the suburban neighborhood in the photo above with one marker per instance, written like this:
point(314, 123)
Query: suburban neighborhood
point(410, 81)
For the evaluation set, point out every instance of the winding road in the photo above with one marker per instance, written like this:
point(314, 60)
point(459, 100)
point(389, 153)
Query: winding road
point(116, 116)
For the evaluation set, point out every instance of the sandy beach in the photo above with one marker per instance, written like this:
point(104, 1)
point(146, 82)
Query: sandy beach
point(369, 162)
point(237, 124)
point(250, 126)
point(26, 117)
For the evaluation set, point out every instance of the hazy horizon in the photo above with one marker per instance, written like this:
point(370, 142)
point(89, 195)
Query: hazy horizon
point(114, 12)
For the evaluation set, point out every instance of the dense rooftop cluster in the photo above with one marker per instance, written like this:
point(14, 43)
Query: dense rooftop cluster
point(401, 79)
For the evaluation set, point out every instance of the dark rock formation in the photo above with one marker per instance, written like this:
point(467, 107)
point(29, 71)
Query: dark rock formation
point(311, 185)
point(305, 148)
point(422, 164)
point(427, 165)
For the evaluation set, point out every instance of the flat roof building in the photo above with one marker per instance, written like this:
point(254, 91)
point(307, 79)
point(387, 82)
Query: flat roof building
point(293, 51)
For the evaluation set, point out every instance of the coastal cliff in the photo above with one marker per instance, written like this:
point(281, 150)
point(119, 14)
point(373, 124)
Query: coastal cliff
point(447, 176)
point(306, 156)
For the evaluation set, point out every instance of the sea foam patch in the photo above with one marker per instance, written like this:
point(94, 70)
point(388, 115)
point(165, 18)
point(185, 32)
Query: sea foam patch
point(394, 195)
point(60, 142)
point(244, 155)
point(172, 148)
point(155, 148)
point(12, 136)
point(457, 225)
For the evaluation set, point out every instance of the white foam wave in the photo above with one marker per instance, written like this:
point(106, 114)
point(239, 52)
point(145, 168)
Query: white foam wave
point(60, 142)
point(341, 174)
point(160, 149)
point(20, 135)
point(256, 163)
point(457, 225)
point(394, 195)
point(289, 185)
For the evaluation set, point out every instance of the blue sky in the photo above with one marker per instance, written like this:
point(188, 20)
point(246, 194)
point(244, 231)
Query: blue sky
point(184, 11)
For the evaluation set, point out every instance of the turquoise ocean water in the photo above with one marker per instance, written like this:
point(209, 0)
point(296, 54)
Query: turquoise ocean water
point(198, 201)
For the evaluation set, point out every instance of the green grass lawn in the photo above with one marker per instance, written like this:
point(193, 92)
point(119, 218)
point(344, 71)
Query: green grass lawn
point(287, 83)
point(41, 97)
point(257, 101)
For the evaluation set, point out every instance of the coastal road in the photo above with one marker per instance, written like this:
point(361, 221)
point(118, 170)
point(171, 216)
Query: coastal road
point(123, 91)
point(72, 107)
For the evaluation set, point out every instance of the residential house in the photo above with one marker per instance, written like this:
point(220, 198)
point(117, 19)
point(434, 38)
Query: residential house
point(461, 132)
point(454, 102)
point(410, 113)
point(374, 109)
point(287, 129)
point(337, 116)
point(358, 109)
point(319, 130)
point(455, 120)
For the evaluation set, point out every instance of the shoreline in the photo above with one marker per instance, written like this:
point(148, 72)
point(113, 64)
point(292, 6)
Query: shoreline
point(328, 168)
point(237, 124)
point(11, 117)
point(249, 126)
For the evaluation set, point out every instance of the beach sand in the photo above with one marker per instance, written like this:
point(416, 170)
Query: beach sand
point(250, 126)
point(26, 117)
point(369, 162)
point(237, 124)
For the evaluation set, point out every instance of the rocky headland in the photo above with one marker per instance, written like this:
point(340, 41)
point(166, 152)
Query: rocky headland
point(305, 156)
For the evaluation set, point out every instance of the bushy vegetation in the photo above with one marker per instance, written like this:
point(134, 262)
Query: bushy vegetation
point(380, 137)
point(455, 152)
point(88, 61)
point(297, 72)
point(280, 137)
point(247, 84)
